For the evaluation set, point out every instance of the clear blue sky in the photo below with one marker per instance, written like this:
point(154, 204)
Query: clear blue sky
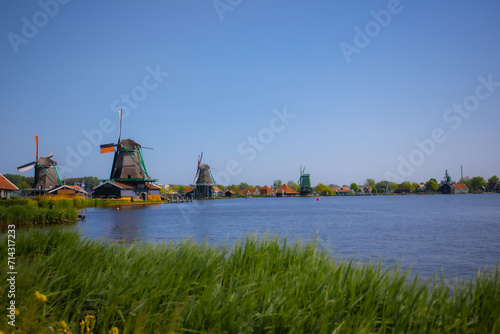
point(364, 82)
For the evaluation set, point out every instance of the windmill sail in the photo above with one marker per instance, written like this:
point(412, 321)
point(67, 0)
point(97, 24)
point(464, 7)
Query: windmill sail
point(26, 167)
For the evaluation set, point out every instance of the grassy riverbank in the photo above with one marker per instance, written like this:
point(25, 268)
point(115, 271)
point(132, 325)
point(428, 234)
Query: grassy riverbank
point(258, 285)
point(48, 210)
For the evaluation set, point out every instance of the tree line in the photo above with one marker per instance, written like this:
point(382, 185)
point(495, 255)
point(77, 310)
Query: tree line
point(25, 182)
point(474, 184)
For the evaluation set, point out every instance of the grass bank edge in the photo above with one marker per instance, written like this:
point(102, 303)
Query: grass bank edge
point(47, 210)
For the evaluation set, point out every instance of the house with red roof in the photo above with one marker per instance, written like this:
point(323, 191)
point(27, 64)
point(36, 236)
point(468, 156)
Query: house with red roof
point(248, 192)
point(342, 191)
point(267, 191)
point(285, 190)
point(460, 188)
point(7, 188)
point(68, 191)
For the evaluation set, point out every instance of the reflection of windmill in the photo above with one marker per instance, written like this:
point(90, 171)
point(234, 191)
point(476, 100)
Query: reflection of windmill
point(128, 162)
point(46, 172)
point(204, 186)
point(304, 183)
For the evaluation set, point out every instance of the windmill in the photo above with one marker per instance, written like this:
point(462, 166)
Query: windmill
point(46, 172)
point(204, 186)
point(447, 178)
point(304, 183)
point(128, 162)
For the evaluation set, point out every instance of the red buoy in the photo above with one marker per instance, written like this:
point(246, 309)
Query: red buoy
point(318, 199)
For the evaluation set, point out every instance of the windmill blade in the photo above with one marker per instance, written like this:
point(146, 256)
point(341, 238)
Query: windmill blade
point(36, 142)
point(201, 157)
point(48, 156)
point(120, 130)
point(196, 174)
point(147, 148)
point(26, 167)
point(107, 148)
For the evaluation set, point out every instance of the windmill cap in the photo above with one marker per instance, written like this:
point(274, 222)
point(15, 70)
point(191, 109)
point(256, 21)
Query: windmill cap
point(46, 162)
point(129, 144)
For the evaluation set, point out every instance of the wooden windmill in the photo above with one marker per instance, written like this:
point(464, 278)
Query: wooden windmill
point(46, 172)
point(128, 162)
point(304, 183)
point(204, 186)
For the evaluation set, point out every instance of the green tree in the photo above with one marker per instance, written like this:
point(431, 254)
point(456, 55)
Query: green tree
point(244, 185)
point(467, 181)
point(23, 185)
point(476, 182)
point(354, 187)
point(333, 185)
point(323, 189)
point(90, 181)
point(431, 185)
point(370, 182)
point(492, 182)
point(382, 186)
point(405, 186)
point(277, 184)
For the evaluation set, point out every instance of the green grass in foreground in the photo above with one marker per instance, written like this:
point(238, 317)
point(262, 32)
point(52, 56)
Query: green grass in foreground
point(258, 285)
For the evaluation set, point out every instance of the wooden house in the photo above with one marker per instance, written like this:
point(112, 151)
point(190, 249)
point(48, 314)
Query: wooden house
point(114, 189)
point(460, 188)
point(285, 190)
point(454, 188)
point(267, 191)
point(67, 190)
point(7, 188)
point(343, 191)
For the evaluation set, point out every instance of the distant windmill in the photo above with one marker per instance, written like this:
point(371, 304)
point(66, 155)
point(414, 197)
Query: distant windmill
point(128, 162)
point(304, 183)
point(447, 178)
point(204, 180)
point(46, 172)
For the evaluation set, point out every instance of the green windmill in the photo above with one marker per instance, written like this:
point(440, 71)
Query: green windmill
point(304, 183)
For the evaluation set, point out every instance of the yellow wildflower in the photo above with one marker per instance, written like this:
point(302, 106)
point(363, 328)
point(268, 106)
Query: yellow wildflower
point(40, 296)
point(63, 323)
point(114, 330)
point(16, 312)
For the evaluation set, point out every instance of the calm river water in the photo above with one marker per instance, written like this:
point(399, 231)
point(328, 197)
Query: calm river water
point(456, 234)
